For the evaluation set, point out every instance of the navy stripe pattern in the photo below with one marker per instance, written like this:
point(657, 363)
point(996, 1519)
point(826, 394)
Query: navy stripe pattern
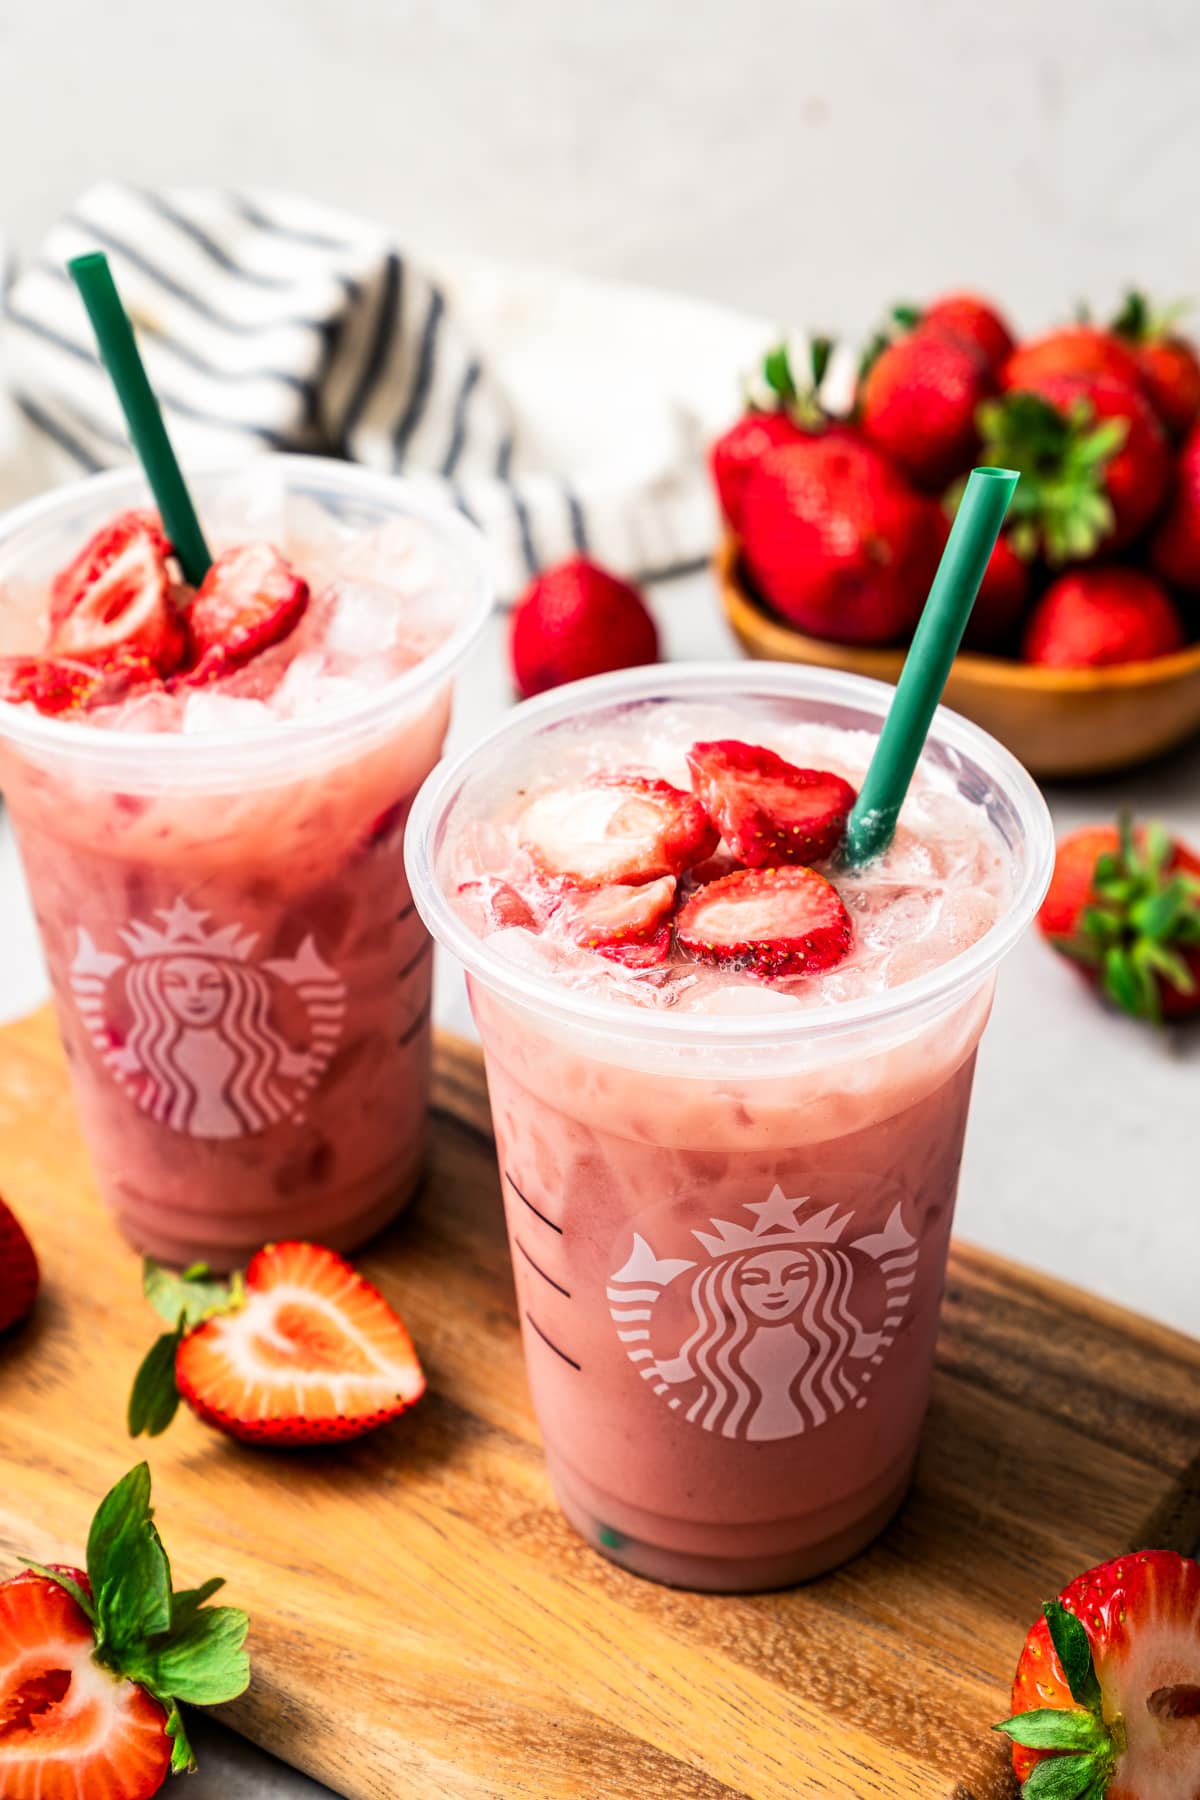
point(270, 323)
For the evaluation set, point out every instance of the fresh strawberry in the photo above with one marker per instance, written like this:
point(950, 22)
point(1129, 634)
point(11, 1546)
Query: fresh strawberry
point(918, 402)
point(300, 1351)
point(769, 922)
point(117, 597)
point(1175, 545)
point(1073, 350)
point(1001, 601)
point(738, 452)
point(576, 620)
point(18, 1270)
point(93, 1666)
point(250, 598)
point(57, 688)
point(1092, 617)
point(1106, 1699)
point(767, 810)
point(1168, 363)
point(1094, 464)
point(973, 321)
point(624, 828)
point(837, 543)
point(630, 925)
point(1125, 906)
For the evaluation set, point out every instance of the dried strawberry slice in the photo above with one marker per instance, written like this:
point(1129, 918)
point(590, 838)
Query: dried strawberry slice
point(631, 925)
point(770, 922)
point(767, 810)
point(616, 828)
point(250, 598)
point(57, 686)
point(118, 597)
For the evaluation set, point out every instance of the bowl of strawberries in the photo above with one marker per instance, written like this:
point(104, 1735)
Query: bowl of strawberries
point(1083, 650)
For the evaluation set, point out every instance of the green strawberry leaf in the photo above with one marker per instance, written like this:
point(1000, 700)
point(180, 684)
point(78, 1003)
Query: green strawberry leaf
point(155, 1397)
point(80, 1595)
point(183, 1759)
point(128, 1567)
point(205, 1663)
point(1074, 1651)
point(193, 1296)
point(777, 373)
point(1062, 1778)
point(1129, 984)
point(187, 1603)
point(1051, 1728)
point(820, 351)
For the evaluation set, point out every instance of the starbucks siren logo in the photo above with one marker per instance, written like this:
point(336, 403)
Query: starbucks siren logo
point(199, 1046)
point(769, 1330)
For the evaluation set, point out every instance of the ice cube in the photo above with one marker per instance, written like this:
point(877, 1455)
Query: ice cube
point(209, 710)
point(745, 999)
point(308, 688)
point(403, 553)
point(362, 620)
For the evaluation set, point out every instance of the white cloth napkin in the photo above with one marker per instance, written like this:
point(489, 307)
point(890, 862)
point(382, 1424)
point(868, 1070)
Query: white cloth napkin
point(560, 414)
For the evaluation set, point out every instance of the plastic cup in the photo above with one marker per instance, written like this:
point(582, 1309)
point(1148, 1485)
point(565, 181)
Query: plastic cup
point(241, 979)
point(729, 1233)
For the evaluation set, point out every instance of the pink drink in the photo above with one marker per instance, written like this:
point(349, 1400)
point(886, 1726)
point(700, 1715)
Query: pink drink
point(729, 1202)
point(242, 981)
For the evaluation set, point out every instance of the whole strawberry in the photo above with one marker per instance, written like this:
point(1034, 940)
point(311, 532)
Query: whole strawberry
point(1168, 363)
point(1094, 462)
point(1075, 350)
point(341, 1361)
point(1093, 617)
point(783, 406)
point(838, 543)
point(917, 403)
point(18, 1271)
point(576, 620)
point(975, 322)
point(1124, 906)
point(737, 453)
point(1175, 544)
point(1001, 601)
point(1106, 1699)
point(93, 1665)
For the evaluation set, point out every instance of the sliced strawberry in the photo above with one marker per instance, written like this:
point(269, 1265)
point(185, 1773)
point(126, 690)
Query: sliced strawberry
point(311, 1353)
point(769, 922)
point(18, 1270)
point(56, 687)
point(504, 904)
point(250, 598)
point(630, 925)
point(118, 596)
point(767, 810)
point(1110, 1678)
point(616, 829)
point(69, 1727)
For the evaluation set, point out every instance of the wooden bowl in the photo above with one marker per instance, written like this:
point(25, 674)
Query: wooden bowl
point(1058, 722)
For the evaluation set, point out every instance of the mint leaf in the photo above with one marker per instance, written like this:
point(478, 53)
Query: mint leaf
point(1074, 1652)
point(205, 1663)
point(155, 1397)
point(128, 1567)
point(1061, 1778)
point(80, 1596)
point(192, 1296)
point(1050, 1728)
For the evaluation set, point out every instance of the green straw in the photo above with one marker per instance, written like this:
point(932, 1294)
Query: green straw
point(119, 353)
point(935, 643)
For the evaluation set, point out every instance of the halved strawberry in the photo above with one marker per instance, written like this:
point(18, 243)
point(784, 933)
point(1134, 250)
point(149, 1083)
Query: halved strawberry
point(93, 1666)
point(619, 828)
point(18, 1270)
point(250, 598)
point(630, 925)
point(769, 922)
point(1106, 1699)
point(767, 810)
point(118, 596)
point(302, 1351)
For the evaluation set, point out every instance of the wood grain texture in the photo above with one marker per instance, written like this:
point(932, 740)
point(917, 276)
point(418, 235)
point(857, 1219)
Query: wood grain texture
point(426, 1624)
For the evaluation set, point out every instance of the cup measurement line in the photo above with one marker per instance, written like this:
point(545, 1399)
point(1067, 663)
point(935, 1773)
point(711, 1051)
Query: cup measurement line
point(414, 962)
point(550, 1344)
point(538, 1270)
point(529, 1203)
point(422, 1018)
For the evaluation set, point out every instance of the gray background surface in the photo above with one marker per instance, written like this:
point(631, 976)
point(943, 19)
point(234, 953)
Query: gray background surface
point(804, 162)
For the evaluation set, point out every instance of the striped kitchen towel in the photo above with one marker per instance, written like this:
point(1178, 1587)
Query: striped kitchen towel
point(559, 414)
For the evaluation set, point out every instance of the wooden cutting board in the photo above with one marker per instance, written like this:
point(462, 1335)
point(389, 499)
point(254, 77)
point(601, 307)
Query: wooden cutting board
point(426, 1624)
